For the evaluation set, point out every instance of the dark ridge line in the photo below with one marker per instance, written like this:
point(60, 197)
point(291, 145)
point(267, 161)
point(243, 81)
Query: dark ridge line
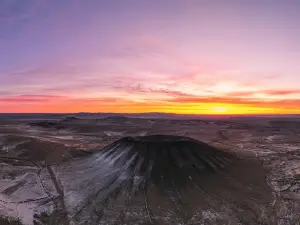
point(59, 191)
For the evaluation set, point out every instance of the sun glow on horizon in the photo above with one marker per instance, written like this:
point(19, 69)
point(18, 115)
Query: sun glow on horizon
point(220, 109)
point(104, 105)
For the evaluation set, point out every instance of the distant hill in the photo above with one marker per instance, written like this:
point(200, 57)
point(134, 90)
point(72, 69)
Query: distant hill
point(70, 119)
point(32, 116)
point(151, 115)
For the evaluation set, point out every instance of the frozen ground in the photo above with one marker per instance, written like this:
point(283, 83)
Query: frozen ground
point(42, 168)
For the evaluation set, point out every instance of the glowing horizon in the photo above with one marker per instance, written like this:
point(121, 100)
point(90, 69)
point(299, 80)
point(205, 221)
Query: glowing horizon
point(189, 57)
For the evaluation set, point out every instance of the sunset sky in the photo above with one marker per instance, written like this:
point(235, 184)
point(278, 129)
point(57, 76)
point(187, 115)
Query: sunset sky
point(179, 56)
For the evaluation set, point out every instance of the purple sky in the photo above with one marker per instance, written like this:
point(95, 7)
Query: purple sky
point(152, 50)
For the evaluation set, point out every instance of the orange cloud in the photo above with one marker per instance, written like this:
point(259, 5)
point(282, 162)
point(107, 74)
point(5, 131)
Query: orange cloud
point(22, 100)
point(179, 104)
point(140, 98)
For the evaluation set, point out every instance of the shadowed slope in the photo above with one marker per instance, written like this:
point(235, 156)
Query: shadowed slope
point(166, 159)
point(163, 179)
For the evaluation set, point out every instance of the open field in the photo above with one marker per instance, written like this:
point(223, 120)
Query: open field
point(49, 167)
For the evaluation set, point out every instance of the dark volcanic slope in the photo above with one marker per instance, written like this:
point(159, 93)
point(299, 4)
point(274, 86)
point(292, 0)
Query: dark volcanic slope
point(164, 160)
point(164, 180)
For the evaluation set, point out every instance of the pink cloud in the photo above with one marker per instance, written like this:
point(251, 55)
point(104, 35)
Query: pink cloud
point(31, 98)
point(281, 92)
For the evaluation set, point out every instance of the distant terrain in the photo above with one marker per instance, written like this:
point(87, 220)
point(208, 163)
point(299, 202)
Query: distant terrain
point(152, 115)
point(38, 174)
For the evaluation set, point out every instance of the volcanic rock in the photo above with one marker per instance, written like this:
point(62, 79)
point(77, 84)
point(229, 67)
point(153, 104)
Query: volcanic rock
point(162, 179)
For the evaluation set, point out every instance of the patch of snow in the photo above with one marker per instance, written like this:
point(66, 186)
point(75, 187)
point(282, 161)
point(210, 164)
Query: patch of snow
point(113, 133)
point(22, 193)
point(208, 215)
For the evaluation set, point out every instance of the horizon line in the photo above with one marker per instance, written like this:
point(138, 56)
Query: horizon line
point(183, 114)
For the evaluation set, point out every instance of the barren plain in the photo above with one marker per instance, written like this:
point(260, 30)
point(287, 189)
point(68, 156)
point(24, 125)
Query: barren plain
point(49, 169)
